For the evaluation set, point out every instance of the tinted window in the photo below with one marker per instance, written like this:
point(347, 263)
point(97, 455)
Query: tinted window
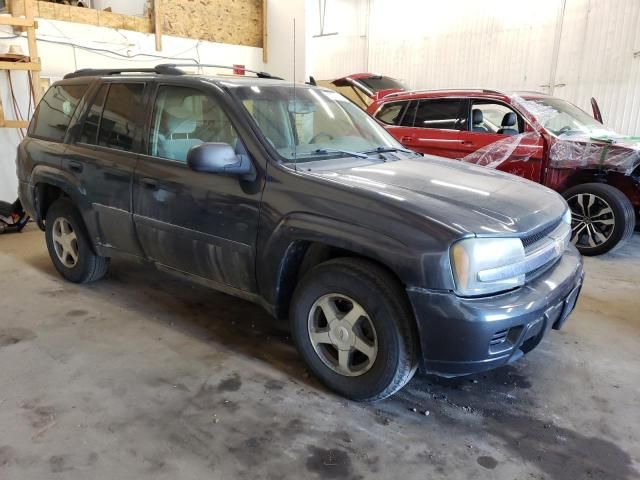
point(442, 114)
point(92, 122)
point(391, 113)
point(119, 115)
point(184, 117)
point(410, 114)
point(381, 83)
point(55, 110)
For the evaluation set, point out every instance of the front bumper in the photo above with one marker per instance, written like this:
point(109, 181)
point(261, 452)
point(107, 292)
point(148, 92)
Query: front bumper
point(460, 336)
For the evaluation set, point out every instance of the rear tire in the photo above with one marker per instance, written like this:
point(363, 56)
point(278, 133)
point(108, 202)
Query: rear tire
point(370, 326)
point(602, 217)
point(69, 247)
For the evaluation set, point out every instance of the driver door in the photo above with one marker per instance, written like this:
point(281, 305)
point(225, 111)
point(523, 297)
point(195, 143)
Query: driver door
point(198, 223)
point(516, 149)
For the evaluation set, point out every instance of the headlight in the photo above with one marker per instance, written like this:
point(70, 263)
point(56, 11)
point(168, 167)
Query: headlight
point(478, 265)
point(566, 218)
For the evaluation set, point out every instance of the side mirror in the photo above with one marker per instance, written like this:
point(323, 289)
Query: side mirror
point(220, 158)
point(596, 110)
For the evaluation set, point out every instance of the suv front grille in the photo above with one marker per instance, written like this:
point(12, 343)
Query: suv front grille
point(533, 238)
point(499, 337)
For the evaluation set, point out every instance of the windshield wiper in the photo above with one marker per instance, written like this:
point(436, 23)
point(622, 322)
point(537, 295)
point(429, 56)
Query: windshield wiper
point(329, 151)
point(387, 150)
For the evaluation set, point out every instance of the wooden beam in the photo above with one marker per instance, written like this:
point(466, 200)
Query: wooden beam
point(14, 123)
point(33, 66)
point(16, 21)
point(29, 8)
point(265, 33)
point(157, 24)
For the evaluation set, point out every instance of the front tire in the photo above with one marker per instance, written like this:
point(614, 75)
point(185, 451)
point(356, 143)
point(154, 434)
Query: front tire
point(69, 247)
point(602, 217)
point(353, 325)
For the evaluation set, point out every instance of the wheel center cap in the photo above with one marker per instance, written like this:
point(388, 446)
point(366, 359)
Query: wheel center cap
point(340, 336)
point(343, 334)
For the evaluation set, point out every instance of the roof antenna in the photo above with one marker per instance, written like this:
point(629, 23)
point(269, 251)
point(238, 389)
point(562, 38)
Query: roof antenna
point(295, 119)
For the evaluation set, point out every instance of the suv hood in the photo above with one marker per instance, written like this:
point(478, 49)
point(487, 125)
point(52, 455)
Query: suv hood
point(463, 198)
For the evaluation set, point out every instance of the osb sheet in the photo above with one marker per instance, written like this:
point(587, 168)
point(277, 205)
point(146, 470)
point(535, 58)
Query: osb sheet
point(238, 22)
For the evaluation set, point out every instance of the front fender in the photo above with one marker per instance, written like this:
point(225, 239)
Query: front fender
point(287, 244)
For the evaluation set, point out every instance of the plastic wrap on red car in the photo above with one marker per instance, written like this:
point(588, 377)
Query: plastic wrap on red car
point(522, 147)
point(602, 149)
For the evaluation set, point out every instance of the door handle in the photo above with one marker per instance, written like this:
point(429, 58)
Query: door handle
point(406, 139)
point(149, 182)
point(75, 166)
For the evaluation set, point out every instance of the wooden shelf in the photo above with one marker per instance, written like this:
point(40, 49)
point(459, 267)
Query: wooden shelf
point(14, 124)
point(20, 66)
point(29, 63)
point(16, 21)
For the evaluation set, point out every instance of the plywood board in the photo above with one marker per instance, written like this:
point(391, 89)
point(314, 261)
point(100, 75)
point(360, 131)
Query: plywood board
point(238, 22)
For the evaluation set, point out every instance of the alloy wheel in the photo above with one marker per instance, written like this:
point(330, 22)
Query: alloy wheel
point(65, 242)
point(342, 334)
point(592, 220)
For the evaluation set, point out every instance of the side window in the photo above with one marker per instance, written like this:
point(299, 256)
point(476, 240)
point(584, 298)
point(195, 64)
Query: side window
point(446, 114)
point(54, 112)
point(184, 117)
point(92, 122)
point(391, 113)
point(119, 116)
point(495, 117)
point(409, 116)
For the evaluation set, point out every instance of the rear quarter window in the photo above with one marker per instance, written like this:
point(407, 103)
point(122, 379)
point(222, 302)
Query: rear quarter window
point(54, 111)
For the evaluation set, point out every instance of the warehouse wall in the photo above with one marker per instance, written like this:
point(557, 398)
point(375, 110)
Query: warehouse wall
point(280, 44)
point(593, 49)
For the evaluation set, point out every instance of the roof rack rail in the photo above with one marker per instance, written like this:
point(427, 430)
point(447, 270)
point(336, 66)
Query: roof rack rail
point(228, 67)
point(161, 69)
point(410, 92)
point(532, 91)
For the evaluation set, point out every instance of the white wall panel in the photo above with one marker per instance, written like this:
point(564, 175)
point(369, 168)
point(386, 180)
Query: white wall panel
point(502, 44)
point(334, 56)
point(596, 58)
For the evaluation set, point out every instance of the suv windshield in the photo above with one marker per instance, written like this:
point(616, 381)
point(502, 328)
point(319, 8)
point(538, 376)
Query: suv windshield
point(314, 124)
point(560, 117)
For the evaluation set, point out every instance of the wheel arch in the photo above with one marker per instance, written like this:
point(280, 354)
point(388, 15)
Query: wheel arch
point(303, 241)
point(50, 184)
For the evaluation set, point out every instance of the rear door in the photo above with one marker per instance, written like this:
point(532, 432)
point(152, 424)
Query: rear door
point(198, 223)
point(516, 149)
point(102, 154)
point(437, 127)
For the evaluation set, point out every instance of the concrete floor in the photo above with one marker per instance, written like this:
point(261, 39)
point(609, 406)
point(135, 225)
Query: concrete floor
point(141, 376)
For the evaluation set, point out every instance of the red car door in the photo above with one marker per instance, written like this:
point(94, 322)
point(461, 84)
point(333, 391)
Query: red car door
point(436, 127)
point(500, 138)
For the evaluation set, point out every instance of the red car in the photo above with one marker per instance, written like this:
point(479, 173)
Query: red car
point(533, 135)
point(363, 88)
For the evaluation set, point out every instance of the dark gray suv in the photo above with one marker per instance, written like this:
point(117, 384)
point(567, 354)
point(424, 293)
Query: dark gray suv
point(292, 197)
